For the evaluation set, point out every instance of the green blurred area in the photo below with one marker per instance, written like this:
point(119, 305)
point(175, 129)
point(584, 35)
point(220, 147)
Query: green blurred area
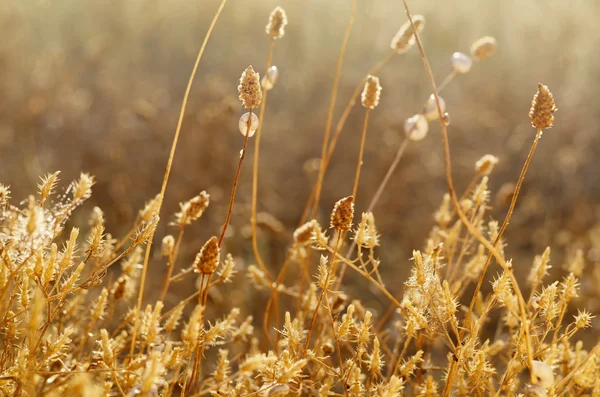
point(96, 86)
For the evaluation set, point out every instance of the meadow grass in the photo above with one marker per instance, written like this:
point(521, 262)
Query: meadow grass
point(72, 314)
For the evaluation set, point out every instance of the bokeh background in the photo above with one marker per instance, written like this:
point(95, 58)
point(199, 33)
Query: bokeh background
point(96, 86)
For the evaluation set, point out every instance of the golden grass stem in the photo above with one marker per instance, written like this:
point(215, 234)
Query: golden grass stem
point(172, 258)
point(334, 90)
point(330, 271)
point(168, 171)
point(255, 249)
point(375, 200)
point(236, 181)
point(360, 155)
point(456, 203)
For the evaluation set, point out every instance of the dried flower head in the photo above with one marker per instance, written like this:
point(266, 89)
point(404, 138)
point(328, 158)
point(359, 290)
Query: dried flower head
point(542, 108)
point(371, 92)
point(47, 186)
point(483, 48)
point(207, 259)
point(193, 209)
point(485, 165)
point(405, 38)
point(342, 214)
point(249, 89)
point(303, 233)
point(277, 21)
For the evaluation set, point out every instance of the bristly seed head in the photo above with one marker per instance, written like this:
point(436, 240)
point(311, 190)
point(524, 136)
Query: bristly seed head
point(542, 108)
point(277, 21)
point(485, 165)
point(405, 38)
point(371, 92)
point(249, 89)
point(343, 214)
point(207, 259)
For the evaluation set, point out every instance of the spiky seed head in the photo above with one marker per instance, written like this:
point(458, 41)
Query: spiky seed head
point(485, 165)
point(249, 89)
point(277, 21)
point(542, 108)
point(405, 38)
point(483, 48)
point(303, 233)
point(371, 92)
point(207, 259)
point(342, 214)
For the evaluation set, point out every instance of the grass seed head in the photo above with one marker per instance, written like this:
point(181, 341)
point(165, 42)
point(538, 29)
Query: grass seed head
point(277, 22)
point(207, 259)
point(483, 48)
point(371, 92)
point(542, 108)
point(485, 165)
point(405, 38)
point(249, 89)
point(343, 214)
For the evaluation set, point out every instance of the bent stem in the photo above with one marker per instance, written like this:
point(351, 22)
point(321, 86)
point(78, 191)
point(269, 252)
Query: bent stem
point(334, 90)
point(168, 172)
point(172, 258)
point(236, 180)
point(330, 271)
point(375, 200)
point(255, 249)
point(451, 190)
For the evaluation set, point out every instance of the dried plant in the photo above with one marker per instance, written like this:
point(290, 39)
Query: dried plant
point(72, 321)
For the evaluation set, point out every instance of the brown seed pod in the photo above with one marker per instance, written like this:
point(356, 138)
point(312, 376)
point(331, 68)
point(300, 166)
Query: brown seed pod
point(207, 259)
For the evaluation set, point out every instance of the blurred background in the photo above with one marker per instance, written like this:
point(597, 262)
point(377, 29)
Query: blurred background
point(96, 86)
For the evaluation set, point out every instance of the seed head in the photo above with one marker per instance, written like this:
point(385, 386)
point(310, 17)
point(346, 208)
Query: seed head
point(303, 233)
point(249, 89)
point(483, 48)
point(277, 21)
point(371, 92)
point(485, 165)
point(207, 259)
point(542, 108)
point(193, 209)
point(405, 38)
point(342, 214)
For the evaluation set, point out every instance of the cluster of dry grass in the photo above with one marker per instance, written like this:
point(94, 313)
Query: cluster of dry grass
point(71, 324)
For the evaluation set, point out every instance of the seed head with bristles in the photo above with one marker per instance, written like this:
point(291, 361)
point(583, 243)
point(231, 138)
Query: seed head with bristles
point(405, 38)
point(485, 165)
point(277, 21)
point(342, 214)
point(207, 259)
point(542, 108)
point(249, 89)
point(371, 92)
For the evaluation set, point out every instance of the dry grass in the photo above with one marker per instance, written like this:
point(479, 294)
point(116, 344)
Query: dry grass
point(471, 319)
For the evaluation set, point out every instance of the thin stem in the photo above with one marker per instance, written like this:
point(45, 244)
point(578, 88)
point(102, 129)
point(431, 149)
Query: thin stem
point(334, 89)
point(456, 204)
point(172, 257)
point(236, 180)
point(375, 200)
point(168, 172)
point(330, 271)
point(255, 249)
point(360, 155)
